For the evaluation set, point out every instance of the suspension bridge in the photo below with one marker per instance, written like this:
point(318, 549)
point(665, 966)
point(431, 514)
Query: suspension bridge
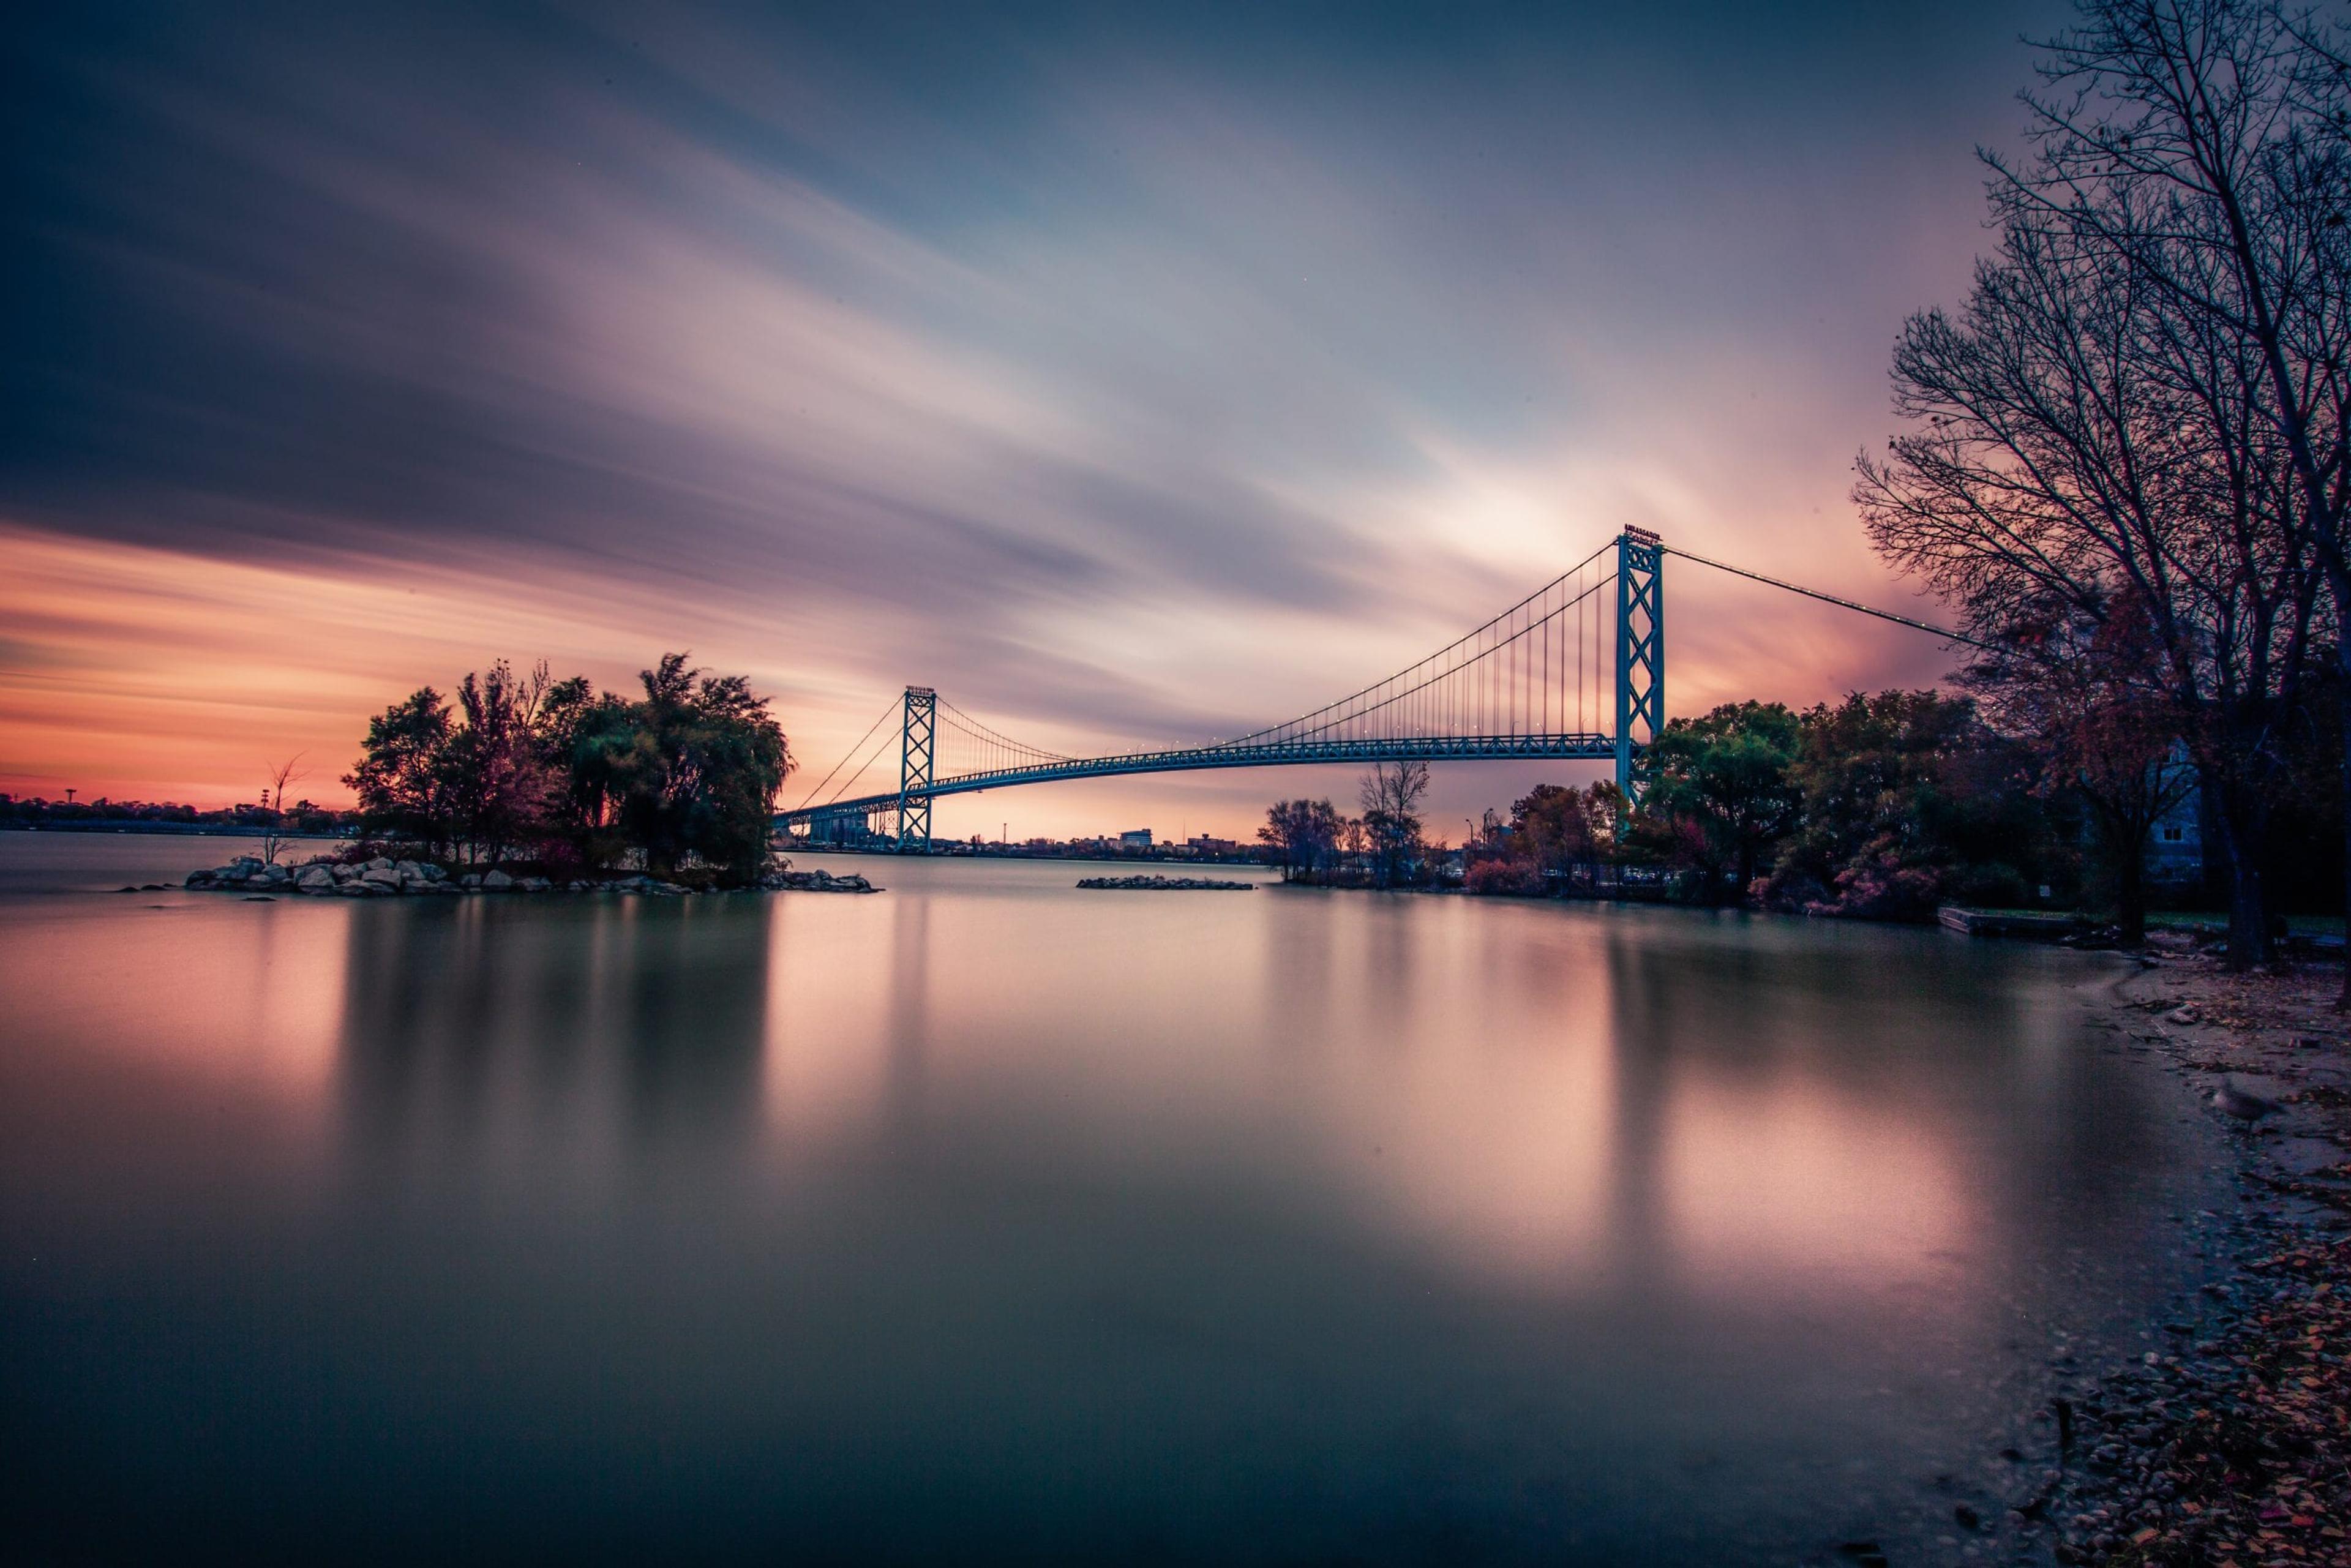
point(1574, 672)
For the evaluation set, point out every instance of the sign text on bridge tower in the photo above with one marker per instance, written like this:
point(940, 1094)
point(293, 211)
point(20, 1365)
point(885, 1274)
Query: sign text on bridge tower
point(1640, 650)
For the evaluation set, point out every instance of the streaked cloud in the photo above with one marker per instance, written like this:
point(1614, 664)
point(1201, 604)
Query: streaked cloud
point(1133, 383)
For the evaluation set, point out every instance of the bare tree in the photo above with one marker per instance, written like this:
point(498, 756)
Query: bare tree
point(273, 801)
point(2091, 432)
point(2206, 146)
point(1303, 833)
point(1390, 795)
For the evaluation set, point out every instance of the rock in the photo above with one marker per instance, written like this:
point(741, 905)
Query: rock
point(355, 888)
point(1168, 883)
point(408, 868)
point(817, 881)
point(472, 879)
point(344, 872)
point(384, 878)
point(200, 879)
point(496, 881)
point(278, 874)
point(2231, 1101)
point(317, 879)
point(2185, 1013)
point(534, 884)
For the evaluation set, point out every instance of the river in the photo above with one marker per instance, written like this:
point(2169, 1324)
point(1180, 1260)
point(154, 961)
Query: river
point(990, 1219)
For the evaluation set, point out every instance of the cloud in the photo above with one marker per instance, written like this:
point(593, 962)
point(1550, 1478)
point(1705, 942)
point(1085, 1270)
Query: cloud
point(1134, 385)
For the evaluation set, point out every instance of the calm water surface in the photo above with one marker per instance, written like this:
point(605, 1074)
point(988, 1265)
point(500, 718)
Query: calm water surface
point(990, 1219)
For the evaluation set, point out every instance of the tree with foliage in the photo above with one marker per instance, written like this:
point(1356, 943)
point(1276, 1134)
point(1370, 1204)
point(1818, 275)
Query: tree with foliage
point(1303, 833)
point(690, 771)
point(502, 766)
point(1566, 831)
point(1354, 845)
point(688, 775)
point(2077, 692)
point(1909, 799)
point(1725, 774)
point(401, 780)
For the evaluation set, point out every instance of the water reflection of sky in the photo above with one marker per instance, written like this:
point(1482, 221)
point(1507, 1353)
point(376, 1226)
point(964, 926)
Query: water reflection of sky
point(1227, 1217)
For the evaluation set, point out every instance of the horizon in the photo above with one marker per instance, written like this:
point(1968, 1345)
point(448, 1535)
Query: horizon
point(1131, 385)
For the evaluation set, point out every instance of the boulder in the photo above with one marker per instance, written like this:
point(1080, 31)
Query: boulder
point(381, 863)
point(470, 880)
point(355, 888)
point(496, 881)
point(385, 878)
point(408, 868)
point(344, 872)
point(315, 879)
point(534, 884)
point(276, 873)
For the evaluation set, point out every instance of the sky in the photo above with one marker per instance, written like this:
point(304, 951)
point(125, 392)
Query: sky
point(1133, 375)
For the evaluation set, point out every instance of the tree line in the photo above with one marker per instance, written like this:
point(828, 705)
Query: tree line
point(522, 767)
point(1882, 806)
point(1384, 847)
point(1886, 805)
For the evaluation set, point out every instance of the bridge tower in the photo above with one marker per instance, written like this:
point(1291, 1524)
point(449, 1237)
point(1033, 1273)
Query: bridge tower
point(916, 732)
point(1640, 649)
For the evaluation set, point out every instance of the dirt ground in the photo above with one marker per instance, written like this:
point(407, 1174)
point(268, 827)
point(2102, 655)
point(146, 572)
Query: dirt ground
point(2236, 1449)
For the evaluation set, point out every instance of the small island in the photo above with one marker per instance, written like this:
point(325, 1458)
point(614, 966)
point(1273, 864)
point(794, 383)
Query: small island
point(380, 876)
point(1166, 884)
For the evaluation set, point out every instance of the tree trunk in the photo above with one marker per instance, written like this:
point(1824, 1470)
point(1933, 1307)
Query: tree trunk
point(2343, 697)
point(2249, 933)
point(2130, 889)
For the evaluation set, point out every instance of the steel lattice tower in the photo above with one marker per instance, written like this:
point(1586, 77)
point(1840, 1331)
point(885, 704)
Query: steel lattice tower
point(918, 736)
point(1640, 649)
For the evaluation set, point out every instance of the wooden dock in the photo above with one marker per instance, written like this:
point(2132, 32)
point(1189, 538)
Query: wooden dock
point(2030, 924)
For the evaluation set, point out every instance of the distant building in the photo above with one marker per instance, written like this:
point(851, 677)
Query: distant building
point(1135, 839)
point(1209, 846)
point(2175, 846)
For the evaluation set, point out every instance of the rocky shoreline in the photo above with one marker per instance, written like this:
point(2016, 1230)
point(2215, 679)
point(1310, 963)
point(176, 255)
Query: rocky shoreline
point(1166, 884)
point(2229, 1442)
point(384, 878)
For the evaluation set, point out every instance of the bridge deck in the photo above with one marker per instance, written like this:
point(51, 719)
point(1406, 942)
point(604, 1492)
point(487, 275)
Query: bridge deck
point(1424, 749)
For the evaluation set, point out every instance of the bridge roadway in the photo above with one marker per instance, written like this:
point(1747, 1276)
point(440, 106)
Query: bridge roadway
point(1276, 754)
